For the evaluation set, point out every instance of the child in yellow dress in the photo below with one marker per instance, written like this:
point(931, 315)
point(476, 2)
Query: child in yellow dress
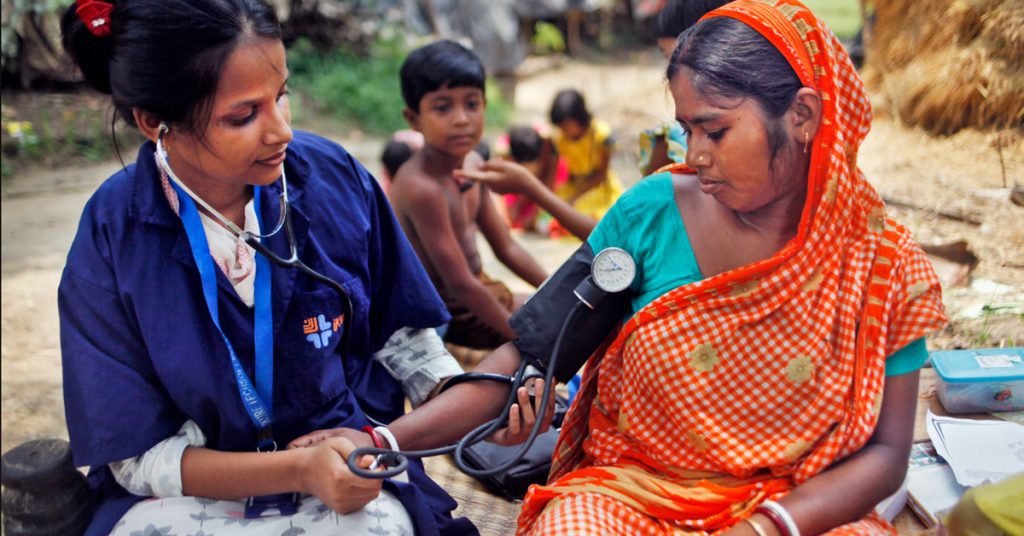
point(586, 143)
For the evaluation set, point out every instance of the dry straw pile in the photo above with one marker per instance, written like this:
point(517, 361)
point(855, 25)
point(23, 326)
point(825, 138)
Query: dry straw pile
point(945, 65)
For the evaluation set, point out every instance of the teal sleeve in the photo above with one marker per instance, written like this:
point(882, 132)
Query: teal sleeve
point(908, 359)
point(613, 229)
point(608, 232)
point(633, 214)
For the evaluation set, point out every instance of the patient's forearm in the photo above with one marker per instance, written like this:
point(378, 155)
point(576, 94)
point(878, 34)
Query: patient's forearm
point(846, 491)
point(454, 413)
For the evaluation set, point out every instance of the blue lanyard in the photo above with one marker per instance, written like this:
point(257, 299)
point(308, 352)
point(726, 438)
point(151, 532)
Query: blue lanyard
point(258, 400)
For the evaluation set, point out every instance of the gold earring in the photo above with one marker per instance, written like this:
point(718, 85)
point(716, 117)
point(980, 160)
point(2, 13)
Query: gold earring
point(807, 141)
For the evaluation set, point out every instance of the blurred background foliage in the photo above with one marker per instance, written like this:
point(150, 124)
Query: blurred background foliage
point(360, 90)
point(17, 16)
point(843, 16)
point(344, 56)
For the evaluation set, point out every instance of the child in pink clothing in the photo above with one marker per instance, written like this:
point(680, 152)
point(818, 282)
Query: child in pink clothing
point(531, 148)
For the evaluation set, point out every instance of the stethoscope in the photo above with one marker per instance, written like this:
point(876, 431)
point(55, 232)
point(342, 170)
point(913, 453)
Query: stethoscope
point(391, 463)
point(253, 240)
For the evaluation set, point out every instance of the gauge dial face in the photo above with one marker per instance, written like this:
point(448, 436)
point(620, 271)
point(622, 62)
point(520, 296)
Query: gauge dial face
point(613, 269)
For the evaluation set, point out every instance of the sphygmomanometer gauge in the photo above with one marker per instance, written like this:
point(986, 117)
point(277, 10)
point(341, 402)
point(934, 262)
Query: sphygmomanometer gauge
point(613, 269)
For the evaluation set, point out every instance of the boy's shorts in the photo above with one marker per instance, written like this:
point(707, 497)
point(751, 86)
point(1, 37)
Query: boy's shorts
point(465, 329)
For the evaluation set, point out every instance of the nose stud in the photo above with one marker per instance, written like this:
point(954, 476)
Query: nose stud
point(700, 159)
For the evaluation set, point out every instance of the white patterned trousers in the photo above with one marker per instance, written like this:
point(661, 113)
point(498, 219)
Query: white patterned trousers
point(196, 516)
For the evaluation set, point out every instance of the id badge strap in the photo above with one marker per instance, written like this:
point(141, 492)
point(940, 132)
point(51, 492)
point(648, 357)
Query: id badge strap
point(264, 326)
point(252, 398)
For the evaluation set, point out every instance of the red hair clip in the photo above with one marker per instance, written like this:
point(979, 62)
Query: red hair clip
point(96, 16)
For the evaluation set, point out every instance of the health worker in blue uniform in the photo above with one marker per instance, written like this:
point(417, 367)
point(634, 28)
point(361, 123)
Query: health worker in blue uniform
point(187, 356)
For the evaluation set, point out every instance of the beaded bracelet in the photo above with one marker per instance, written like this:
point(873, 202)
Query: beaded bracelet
point(779, 517)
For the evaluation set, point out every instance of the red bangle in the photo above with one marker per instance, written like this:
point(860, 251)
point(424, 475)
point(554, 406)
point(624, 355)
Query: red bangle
point(377, 443)
point(774, 518)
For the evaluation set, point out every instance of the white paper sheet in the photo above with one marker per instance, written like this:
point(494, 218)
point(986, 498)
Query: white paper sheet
point(935, 490)
point(978, 451)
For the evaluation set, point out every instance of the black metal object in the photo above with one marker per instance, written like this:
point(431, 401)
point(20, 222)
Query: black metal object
point(43, 493)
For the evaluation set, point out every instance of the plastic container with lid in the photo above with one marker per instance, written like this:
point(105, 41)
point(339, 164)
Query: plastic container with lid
point(980, 380)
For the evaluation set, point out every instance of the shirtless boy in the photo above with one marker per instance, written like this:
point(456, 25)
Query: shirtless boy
point(443, 88)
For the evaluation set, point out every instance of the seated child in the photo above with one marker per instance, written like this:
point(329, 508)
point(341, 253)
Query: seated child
point(395, 154)
point(397, 150)
point(443, 88)
point(666, 142)
point(660, 146)
point(530, 147)
point(586, 143)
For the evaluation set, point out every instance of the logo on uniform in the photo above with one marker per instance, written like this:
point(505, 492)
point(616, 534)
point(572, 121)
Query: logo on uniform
point(319, 330)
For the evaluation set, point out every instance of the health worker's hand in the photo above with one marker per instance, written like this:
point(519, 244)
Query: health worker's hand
point(312, 439)
point(502, 176)
point(523, 415)
point(327, 476)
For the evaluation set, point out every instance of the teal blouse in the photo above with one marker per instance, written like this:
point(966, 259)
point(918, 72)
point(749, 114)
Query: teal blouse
point(646, 222)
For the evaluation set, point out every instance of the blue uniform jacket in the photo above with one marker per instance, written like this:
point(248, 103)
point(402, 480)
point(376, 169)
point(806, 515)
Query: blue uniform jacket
point(141, 354)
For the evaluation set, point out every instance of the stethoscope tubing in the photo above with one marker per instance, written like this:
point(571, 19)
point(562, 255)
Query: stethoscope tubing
point(395, 462)
point(253, 240)
point(293, 261)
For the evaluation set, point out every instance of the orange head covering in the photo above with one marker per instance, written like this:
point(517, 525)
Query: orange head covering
point(774, 368)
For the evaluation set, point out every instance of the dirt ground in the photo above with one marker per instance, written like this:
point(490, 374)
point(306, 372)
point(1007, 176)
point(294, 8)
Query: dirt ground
point(960, 175)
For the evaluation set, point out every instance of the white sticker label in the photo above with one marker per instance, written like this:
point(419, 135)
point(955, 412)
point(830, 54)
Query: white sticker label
point(996, 360)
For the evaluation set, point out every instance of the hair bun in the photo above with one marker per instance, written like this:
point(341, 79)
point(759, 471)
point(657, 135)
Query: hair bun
point(90, 52)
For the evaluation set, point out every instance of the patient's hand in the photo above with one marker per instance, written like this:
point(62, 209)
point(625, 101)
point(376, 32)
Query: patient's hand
point(312, 439)
point(503, 177)
point(523, 415)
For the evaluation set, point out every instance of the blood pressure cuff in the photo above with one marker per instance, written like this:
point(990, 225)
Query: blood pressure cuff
point(538, 322)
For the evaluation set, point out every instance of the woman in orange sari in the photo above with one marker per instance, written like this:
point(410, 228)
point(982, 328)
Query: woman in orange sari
point(765, 379)
point(766, 383)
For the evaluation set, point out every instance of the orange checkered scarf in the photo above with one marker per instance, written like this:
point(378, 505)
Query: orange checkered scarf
point(770, 372)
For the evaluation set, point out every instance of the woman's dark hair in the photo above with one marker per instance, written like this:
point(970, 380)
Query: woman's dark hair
point(442, 64)
point(678, 15)
point(728, 60)
point(165, 56)
point(569, 104)
point(524, 144)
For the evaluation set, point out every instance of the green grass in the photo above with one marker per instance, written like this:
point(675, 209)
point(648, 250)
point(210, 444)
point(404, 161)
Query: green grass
point(361, 92)
point(843, 16)
point(54, 129)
